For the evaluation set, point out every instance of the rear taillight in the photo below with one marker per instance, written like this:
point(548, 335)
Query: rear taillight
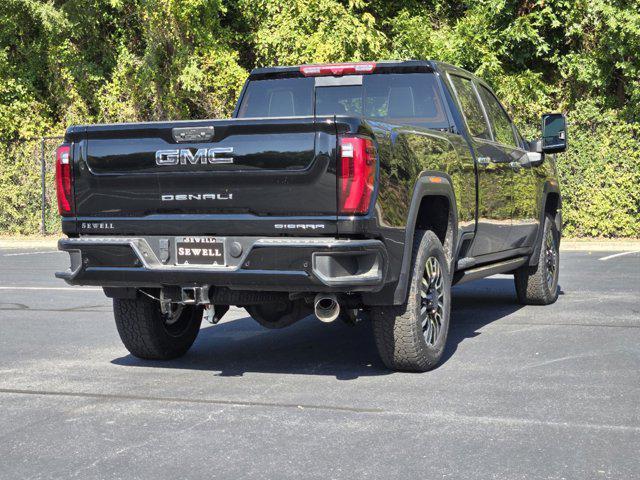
point(337, 69)
point(64, 181)
point(357, 175)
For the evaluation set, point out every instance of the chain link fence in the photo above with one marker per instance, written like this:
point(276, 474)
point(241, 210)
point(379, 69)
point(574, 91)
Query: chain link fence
point(27, 186)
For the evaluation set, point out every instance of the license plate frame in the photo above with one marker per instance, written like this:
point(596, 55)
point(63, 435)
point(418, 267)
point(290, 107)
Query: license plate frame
point(200, 251)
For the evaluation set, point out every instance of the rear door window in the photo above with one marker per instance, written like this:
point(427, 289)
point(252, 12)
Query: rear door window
point(471, 108)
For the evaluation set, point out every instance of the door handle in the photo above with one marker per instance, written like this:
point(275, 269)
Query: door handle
point(515, 165)
point(484, 161)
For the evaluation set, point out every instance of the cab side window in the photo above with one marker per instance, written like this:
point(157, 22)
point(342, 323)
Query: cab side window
point(471, 108)
point(500, 122)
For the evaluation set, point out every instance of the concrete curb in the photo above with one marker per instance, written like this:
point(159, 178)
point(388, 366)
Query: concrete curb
point(599, 245)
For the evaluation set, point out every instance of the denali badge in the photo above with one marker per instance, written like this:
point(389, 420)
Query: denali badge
point(196, 196)
point(184, 156)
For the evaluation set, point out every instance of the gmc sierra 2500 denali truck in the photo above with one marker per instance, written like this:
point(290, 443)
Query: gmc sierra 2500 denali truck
point(334, 189)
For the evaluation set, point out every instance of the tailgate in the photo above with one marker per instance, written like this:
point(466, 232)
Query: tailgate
point(239, 169)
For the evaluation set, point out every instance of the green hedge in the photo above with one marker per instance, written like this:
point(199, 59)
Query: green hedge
point(85, 61)
point(21, 188)
point(600, 181)
point(600, 176)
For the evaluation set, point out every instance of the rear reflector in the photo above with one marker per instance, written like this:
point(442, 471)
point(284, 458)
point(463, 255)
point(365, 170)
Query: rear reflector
point(357, 175)
point(64, 181)
point(337, 69)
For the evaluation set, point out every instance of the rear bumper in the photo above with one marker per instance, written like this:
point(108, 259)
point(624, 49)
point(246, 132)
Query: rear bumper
point(251, 263)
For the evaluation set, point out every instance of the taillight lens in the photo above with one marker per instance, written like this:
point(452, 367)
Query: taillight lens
point(64, 181)
point(357, 175)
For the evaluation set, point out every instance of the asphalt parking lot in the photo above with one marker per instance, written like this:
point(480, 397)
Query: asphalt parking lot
point(523, 393)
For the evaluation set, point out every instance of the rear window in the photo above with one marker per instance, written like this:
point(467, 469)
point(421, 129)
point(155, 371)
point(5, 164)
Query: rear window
point(408, 98)
point(282, 97)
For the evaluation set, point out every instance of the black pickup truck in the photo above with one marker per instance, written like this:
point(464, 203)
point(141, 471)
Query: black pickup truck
point(334, 189)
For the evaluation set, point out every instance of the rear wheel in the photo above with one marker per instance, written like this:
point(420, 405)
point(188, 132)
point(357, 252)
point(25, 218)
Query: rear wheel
point(538, 285)
point(412, 336)
point(150, 334)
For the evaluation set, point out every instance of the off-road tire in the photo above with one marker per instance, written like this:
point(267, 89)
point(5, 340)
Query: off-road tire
point(532, 284)
point(145, 333)
point(398, 330)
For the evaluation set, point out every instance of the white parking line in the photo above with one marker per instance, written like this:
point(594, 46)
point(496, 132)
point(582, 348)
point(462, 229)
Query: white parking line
point(615, 255)
point(30, 253)
point(96, 289)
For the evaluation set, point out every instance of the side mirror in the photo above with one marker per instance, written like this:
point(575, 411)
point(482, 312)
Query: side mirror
point(554, 133)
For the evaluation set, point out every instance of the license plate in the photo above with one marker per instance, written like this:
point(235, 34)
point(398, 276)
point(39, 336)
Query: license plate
point(199, 251)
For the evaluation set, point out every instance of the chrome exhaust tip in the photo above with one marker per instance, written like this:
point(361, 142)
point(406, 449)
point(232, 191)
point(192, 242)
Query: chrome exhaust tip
point(326, 307)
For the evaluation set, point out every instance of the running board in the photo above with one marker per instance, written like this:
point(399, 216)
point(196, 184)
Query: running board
point(465, 263)
point(488, 270)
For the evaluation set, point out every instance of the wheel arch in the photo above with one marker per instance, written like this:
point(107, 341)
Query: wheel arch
point(431, 192)
point(551, 204)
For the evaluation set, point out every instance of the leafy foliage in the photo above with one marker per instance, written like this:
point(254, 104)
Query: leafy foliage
point(79, 61)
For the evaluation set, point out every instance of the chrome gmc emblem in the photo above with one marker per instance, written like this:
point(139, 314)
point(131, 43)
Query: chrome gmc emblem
point(203, 156)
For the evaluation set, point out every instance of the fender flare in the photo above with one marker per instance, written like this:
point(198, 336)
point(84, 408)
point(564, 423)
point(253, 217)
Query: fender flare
point(425, 186)
point(549, 187)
